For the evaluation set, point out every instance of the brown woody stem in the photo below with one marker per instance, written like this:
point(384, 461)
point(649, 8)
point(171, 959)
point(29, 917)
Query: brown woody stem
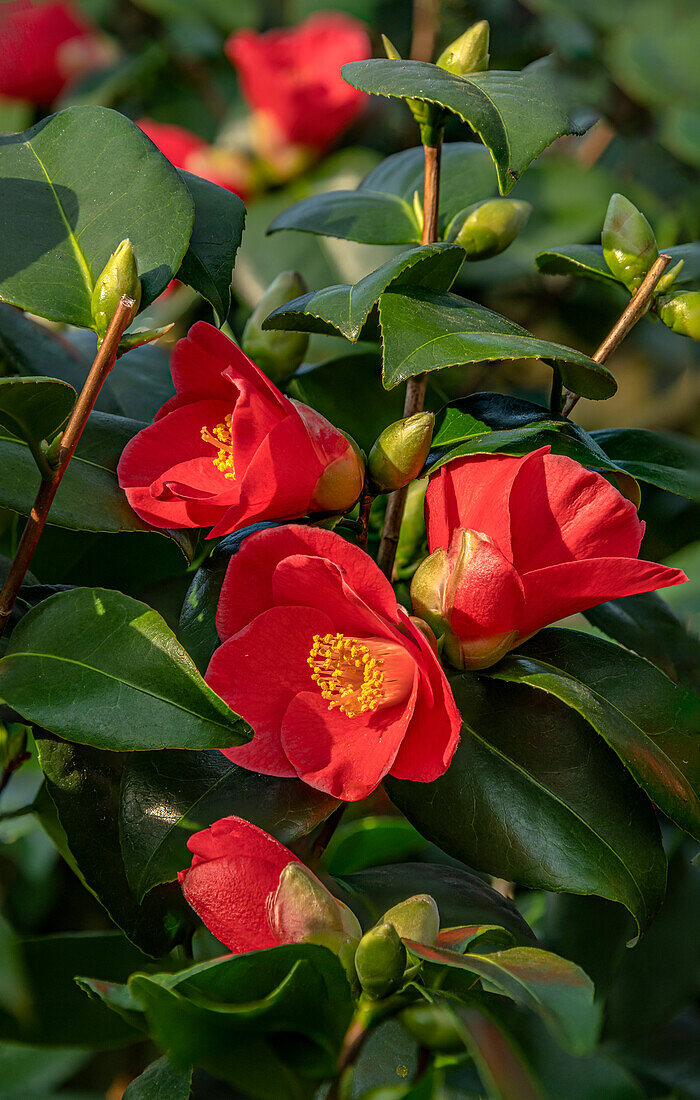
point(636, 308)
point(102, 365)
point(363, 519)
point(415, 387)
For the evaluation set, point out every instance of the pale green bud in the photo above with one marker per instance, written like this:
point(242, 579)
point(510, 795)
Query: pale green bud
point(668, 279)
point(432, 1026)
point(489, 227)
point(399, 454)
point(303, 909)
point(131, 340)
point(416, 918)
point(119, 276)
point(390, 49)
point(469, 53)
point(629, 244)
point(276, 352)
point(681, 312)
point(380, 961)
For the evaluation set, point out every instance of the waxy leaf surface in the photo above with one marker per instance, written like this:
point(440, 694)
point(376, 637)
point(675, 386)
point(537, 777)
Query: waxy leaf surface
point(588, 260)
point(219, 217)
point(34, 408)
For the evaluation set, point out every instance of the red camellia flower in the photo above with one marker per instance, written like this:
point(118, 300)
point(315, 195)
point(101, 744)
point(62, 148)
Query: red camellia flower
point(253, 893)
point(229, 449)
point(339, 684)
point(293, 76)
point(517, 543)
point(44, 46)
point(190, 152)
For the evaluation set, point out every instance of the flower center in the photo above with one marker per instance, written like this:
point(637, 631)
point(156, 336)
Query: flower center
point(220, 437)
point(360, 674)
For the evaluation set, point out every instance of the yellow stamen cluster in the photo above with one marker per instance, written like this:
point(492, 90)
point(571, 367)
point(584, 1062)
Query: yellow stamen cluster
point(349, 676)
point(220, 437)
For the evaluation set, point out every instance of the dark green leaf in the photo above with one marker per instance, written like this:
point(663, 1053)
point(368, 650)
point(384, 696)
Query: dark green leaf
point(166, 796)
point(360, 215)
point(73, 187)
point(588, 260)
point(667, 1058)
point(371, 841)
point(34, 408)
point(345, 310)
point(666, 459)
point(516, 114)
point(425, 330)
point(647, 625)
point(28, 1072)
point(652, 725)
point(462, 898)
point(160, 1081)
point(502, 1069)
point(219, 217)
point(533, 795)
point(260, 1021)
point(144, 691)
point(79, 809)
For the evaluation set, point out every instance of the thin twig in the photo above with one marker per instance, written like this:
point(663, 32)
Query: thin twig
point(363, 519)
point(102, 365)
point(415, 388)
point(636, 308)
point(354, 1040)
point(426, 21)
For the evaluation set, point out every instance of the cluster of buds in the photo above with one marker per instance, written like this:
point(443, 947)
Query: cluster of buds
point(276, 352)
point(381, 957)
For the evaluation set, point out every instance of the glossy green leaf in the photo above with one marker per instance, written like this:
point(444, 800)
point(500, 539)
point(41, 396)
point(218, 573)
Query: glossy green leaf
point(160, 1081)
point(535, 796)
point(73, 187)
point(588, 260)
point(345, 310)
point(425, 330)
point(516, 114)
point(462, 897)
point(258, 1021)
point(371, 841)
point(34, 408)
point(666, 459)
point(652, 725)
point(78, 807)
point(219, 217)
point(166, 796)
point(646, 625)
point(555, 989)
point(144, 690)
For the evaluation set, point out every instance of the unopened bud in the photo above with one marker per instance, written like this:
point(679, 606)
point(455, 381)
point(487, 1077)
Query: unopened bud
point(469, 53)
point(276, 352)
point(399, 454)
point(629, 244)
point(416, 918)
point(668, 279)
point(131, 340)
point(390, 49)
point(343, 475)
point(304, 911)
point(119, 276)
point(489, 227)
point(681, 312)
point(380, 961)
point(432, 1026)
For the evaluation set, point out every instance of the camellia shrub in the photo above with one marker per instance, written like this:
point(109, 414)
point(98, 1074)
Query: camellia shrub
point(349, 804)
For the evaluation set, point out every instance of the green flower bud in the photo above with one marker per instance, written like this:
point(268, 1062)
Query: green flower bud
point(380, 961)
point(628, 241)
point(469, 53)
point(119, 276)
point(668, 279)
point(681, 312)
point(304, 911)
point(416, 918)
point(131, 340)
point(276, 352)
point(429, 117)
point(489, 227)
point(390, 49)
point(432, 1026)
point(399, 454)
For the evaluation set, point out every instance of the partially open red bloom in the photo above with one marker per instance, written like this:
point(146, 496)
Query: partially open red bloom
point(240, 886)
point(517, 543)
point(229, 449)
point(293, 76)
point(339, 685)
point(192, 153)
point(44, 46)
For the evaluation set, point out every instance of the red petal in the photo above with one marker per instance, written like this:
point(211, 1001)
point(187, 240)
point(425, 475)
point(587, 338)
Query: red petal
point(317, 582)
point(247, 587)
point(346, 757)
point(488, 598)
point(433, 732)
point(235, 869)
point(559, 511)
point(552, 594)
point(258, 671)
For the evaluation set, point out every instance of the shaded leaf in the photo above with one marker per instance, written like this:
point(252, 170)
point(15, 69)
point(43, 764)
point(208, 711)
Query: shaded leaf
point(666, 459)
point(27, 1071)
point(588, 260)
point(73, 187)
point(371, 841)
point(502, 1069)
point(219, 217)
point(160, 1081)
point(34, 408)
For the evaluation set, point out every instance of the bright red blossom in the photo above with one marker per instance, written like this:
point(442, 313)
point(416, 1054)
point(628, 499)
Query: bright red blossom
point(517, 543)
point(229, 449)
point(192, 153)
point(337, 682)
point(44, 46)
point(293, 76)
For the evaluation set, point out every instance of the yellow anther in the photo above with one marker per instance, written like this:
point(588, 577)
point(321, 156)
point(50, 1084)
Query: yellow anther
point(220, 437)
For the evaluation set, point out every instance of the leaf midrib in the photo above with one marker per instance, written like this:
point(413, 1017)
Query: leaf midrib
point(82, 262)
